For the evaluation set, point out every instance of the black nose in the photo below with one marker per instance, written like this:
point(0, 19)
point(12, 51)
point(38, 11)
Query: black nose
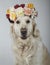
point(23, 31)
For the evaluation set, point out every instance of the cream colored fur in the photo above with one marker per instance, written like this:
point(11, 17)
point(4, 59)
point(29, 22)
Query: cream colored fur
point(30, 51)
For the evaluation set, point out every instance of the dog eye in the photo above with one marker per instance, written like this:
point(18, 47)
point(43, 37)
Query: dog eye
point(30, 16)
point(17, 22)
point(28, 21)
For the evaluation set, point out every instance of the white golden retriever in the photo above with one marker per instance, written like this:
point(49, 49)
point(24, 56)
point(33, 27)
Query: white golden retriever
point(28, 46)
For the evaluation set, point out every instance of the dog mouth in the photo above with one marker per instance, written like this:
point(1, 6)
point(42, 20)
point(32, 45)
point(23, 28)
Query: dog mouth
point(23, 37)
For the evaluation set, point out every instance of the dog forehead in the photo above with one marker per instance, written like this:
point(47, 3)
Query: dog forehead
point(23, 18)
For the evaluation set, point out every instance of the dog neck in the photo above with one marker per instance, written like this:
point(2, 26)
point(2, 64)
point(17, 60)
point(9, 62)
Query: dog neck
point(23, 46)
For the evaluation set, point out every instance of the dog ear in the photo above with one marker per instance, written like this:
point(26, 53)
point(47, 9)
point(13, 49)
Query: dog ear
point(13, 34)
point(36, 32)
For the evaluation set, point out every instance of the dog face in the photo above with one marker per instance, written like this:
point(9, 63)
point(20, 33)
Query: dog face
point(23, 20)
point(23, 27)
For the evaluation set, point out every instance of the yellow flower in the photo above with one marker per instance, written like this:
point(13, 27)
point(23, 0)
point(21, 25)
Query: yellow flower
point(19, 11)
point(8, 11)
point(30, 5)
point(13, 16)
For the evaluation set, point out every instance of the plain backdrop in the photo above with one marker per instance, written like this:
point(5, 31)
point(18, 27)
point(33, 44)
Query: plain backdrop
point(43, 22)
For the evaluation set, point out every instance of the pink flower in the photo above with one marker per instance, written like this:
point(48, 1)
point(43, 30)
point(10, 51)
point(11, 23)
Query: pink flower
point(27, 11)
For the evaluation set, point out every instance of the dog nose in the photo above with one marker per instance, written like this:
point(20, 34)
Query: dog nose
point(23, 31)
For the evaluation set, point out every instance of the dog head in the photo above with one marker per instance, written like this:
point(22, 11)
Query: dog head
point(24, 25)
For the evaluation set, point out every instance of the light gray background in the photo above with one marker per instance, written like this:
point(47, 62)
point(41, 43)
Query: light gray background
point(43, 22)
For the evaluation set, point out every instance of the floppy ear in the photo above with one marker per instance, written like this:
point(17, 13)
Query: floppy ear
point(36, 32)
point(13, 34)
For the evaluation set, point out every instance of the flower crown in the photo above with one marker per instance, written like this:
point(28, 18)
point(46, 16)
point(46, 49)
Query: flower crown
point(20, 10)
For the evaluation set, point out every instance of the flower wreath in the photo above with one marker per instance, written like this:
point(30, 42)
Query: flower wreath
point(20, 10)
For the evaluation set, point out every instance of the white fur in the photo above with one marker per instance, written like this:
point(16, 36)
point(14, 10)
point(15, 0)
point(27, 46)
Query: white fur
point(30, 51)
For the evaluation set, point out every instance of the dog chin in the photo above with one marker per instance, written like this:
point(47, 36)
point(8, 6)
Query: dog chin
point(24, 37)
